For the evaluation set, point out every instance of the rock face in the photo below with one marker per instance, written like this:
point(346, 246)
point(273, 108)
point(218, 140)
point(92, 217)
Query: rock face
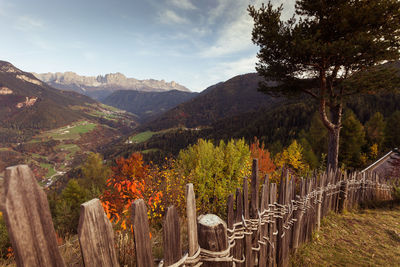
point(101, 86)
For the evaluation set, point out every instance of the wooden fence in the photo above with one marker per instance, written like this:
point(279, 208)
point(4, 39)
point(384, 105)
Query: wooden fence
point(261, 229)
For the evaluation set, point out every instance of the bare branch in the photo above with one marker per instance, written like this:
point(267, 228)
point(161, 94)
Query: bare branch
point(311, 93)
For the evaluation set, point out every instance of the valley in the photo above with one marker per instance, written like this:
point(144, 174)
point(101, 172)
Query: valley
point(52, 131)
point(52, 153)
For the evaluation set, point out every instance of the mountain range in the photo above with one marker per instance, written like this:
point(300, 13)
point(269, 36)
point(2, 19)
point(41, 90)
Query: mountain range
point(99, 87)
point(28, 105)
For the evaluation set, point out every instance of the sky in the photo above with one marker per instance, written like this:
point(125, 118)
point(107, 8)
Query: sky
point(196, 43)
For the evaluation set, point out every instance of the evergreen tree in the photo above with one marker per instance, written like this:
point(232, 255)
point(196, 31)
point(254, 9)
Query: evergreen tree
point(392, 131)
point(94, 174)
point(352, 141)
point(375, 130)
point(67, 207)
point(318, 135)
point(328, 50)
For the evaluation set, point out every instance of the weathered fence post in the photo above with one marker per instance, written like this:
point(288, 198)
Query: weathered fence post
point(262, 260)
point(320, 189)
point(238, 249)
point(343, 195)
point(230, 220)
point(28, 220)
point(96, 236)
point(254, 210)
point(171, 237)
point(247, 237)
point(191, 220)
point(298, 215)
point(141, 230)
point(281, 248)
point(213, 236)
point(273, 233)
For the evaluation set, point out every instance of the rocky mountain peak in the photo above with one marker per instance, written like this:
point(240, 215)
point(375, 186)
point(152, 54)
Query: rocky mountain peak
point(107, 82)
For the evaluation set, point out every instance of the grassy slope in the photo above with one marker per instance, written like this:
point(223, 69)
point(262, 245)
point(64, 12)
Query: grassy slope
point(142, 137)
point(368, 237)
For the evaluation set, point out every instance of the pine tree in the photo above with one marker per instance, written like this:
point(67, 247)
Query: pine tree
point(392, 131)
point(328, 50)
point(352, 141)
point(375, 130)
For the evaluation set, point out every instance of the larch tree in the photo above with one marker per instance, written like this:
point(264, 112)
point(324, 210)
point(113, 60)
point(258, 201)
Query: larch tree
point(329, 49)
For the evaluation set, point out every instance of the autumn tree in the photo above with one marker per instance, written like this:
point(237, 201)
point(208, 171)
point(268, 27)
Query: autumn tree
point(265, 163)
point(131, 179)
point(215, 171)
point(292, 158)
point(328, 50)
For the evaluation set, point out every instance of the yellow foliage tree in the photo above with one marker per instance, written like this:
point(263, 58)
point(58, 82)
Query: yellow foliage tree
point(292, 158)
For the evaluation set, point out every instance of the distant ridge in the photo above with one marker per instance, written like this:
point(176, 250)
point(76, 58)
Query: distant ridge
point(28, 105)
point(147, 105)
point(99, 87)
point(26, 102)
point(226, 99)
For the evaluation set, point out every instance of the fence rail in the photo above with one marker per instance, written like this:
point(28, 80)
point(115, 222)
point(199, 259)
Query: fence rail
point(260, 230)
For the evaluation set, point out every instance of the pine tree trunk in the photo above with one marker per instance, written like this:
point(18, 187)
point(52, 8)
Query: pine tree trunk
point(334, 134)
point(333, 148)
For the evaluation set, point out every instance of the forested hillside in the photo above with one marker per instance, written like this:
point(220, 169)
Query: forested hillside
point(233, 97)
point(147, 105)
point(368, 120)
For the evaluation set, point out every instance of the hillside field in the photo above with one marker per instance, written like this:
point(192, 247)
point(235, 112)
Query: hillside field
point(366, 237)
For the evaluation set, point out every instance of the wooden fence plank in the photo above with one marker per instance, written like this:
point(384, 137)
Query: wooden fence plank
point(262, 260)
point(281, 240)
point(171, 237)
point(272, 227)
point(192, 220)
point(239, 243)
point(319, 199)
point(343, 196)
point(254, 190)
point(28, 220)
point(96, 236)
point(298, 215)
point(230, 216)
point(247, 238)
point(254, 208)
point(141, 230)
point(230, 212)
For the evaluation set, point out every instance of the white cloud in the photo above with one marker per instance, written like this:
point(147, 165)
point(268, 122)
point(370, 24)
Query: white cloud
point(183, 4)
point(234, 36)
point(240, 66)
point(170, 17)
point(28, 23)
point(222, 5)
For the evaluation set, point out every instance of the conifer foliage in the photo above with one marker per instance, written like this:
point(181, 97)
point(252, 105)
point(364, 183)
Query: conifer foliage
point(329, 50)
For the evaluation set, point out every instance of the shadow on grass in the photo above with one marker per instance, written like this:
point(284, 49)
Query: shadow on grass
point(384, 205)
